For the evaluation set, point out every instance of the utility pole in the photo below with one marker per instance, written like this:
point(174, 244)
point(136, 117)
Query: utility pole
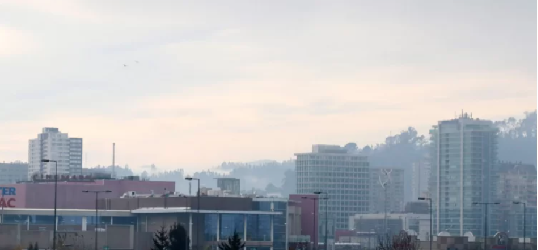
point(524, 224)
point(326, 217)
point(431, 219)
point(96, 211)
point(55, 201)
point(486, 218)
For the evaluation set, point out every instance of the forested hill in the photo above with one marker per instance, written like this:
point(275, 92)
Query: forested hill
point(517, 143)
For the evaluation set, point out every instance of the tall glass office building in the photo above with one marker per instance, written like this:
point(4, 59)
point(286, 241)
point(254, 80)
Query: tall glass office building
point(464, 152)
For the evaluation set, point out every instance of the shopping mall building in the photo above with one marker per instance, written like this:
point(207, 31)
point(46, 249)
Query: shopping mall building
point(134, 210)
point(216, 219)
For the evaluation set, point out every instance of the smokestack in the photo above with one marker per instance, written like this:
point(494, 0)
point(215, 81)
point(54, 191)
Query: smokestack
point(113, 160)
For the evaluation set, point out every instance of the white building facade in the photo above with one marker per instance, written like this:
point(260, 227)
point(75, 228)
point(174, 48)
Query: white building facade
point(387, 190)
point(419, 179)
point(51, 144)
point(343, 175)
point(464, 153)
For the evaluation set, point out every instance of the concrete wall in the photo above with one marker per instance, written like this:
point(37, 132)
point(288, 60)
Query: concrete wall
point(115, 237)
point(461, 243)
point(70, 195)
point(206, 202)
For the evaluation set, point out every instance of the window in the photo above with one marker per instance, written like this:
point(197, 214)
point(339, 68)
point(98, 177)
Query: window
point(230, 223)
point(258, 228)
point(210, 229)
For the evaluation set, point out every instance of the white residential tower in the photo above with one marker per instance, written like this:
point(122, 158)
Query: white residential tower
point(51, 144)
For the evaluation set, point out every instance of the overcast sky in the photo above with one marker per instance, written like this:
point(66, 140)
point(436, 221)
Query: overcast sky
point(249, 80)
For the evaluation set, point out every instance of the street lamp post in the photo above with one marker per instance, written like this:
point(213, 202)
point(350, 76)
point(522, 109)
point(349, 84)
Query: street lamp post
point(315, 231)
point(326, 216)
point(315, 219)
point(431, 219)
point(198, 215)
point(486, 218)
point(524, 214)
point(96, 209)
point(55, 198)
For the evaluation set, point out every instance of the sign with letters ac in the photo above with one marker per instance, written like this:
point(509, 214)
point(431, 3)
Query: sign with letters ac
point(6, 196)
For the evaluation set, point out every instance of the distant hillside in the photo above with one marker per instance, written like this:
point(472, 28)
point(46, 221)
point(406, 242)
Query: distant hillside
point(257, 175)
point(517, 143)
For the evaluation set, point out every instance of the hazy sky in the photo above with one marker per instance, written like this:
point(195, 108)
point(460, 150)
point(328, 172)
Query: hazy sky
point(248, 80)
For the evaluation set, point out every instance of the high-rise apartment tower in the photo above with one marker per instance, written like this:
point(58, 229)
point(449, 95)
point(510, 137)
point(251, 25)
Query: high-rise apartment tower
point(51, 144)
point(464, 154)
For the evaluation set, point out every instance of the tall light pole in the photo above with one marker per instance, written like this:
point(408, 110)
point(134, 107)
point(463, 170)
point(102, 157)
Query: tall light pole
point(315, 218)
point(55, 198)
point(96, 209)
point(326, 216)
point(486, 218)
point(524, 213)
point(198, 215)
point(431, 218)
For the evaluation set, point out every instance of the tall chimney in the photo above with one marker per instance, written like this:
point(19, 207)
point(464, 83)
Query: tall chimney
point(113, 160)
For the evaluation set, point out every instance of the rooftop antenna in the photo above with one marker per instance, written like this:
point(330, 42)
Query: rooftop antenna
point(113, 160)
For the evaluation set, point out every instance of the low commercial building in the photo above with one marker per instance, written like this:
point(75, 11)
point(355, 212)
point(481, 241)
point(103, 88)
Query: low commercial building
point(414, 224)
point(134, 229)
point(39, 193)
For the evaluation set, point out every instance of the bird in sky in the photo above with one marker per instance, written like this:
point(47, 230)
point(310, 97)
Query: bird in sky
point(125, 65)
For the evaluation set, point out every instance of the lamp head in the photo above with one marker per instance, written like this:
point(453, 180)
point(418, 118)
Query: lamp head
point(188, 178)
point(318, 192)
point(45, 160)
point(85, 191)
point(421, 198)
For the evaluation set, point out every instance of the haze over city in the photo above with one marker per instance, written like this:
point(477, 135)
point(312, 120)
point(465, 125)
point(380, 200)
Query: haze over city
point(192, 85)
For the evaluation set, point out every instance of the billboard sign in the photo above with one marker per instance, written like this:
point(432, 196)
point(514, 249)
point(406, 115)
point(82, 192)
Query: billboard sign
point(7, 198)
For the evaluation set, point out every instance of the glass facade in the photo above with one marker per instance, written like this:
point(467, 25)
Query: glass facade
point(216, 226)
point(24, 219)
point(210, 229)
point(15, 219)
point(124, 220)
point(69, 220)
point(230, 224)
point(41, 219)
point(258, 227)
point(279, 221)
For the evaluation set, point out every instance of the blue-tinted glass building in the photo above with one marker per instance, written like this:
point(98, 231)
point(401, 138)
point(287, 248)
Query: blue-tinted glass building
point(280, 205)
